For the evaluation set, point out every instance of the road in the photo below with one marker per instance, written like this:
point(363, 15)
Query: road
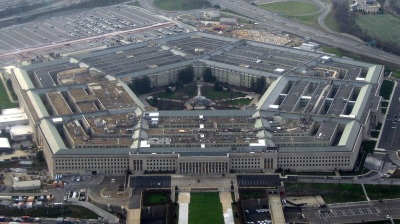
point(390, 137)
point(268, 20)
point(353, 212)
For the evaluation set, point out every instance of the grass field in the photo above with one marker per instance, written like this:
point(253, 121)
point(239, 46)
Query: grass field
point(4, 100)
point(171, 5)
point(185, 93)
point(382, 27)
point(296, 11)
point(205, 208)
point(376, 192)
point(252, 194)
point(290, 8)
point(211, 94)
point(331, 193)
point(386, 89)
point(157, 199)
point(68, 211)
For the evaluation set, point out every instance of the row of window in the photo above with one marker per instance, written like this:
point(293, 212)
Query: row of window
point(90, 160)
point(314, 164)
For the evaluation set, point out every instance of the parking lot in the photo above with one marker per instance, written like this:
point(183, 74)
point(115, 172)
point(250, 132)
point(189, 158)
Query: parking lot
point(256, 211)
point(258, 180)
point(146, 182)
point(90, 23)
point(92, 29)
point(352, 212)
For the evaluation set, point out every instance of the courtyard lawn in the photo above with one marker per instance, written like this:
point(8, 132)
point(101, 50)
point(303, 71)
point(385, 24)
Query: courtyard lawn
point(205, 208)
point(157, 199)
point(184, 93)
point(171, 5)
point(4, 100)
point(211, 94)
point(252, 194)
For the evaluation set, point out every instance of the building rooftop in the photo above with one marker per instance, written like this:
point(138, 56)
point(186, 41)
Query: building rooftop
point(312, 99)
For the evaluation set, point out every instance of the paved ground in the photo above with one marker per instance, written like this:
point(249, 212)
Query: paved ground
point(226, 201)
point(309, 200)
point(186, 182)
point(184, 200)
point(101, 212)
point(390, 136)
point(353, 212)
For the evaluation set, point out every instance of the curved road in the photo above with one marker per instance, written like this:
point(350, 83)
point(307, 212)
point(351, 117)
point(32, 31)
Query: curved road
point(269, 20)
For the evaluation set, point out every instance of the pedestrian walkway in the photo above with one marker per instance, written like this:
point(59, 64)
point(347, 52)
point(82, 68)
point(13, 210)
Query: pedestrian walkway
point(99, 211)
point(133, 216)
point(226, 201)
point(184, 200)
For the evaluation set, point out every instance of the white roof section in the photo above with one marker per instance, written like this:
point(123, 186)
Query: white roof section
point(13, 117)
point(21, 130)
point(261, 142)
point(4, 143)
point(27, 183)
point(54, 140)
point(12, 111)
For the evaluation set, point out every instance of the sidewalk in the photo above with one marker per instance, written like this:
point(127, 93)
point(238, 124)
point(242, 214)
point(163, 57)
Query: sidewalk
point(226, 201)
point(184, 200)
point(99, 211)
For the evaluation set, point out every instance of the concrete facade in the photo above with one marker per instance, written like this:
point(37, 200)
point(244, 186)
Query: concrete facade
point(313, 117)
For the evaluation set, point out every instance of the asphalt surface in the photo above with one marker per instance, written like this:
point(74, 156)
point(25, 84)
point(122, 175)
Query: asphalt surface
point(268, 19)
point(390, 137)
point(354, 212)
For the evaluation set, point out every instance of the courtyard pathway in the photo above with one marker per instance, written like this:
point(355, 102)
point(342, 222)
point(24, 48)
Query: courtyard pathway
point(226, 201)
point(184, 200)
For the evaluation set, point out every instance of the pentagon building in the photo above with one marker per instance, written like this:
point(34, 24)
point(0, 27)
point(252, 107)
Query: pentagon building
point(313, 117)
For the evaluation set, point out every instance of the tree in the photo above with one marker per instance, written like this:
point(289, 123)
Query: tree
point(168, 90)
point(186, 75)
point(260, 84)
point(40, 156)
point(140, 85)
point(208, 76)
point(253, 84)
point(217, 86)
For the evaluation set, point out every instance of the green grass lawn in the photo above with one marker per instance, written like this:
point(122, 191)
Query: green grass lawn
point(157, 198)
point(172, 5)
point(331, 193)
point(205, 208)
point(211, 94)
point(67, 211)
point(4, 100)
point(374, 134)
point(290, 7)
point(382, 27)
point(252, 194)
point(376, 192)
point(185, 93)
point(295, 11)
point(386, 89)
point(330, 22)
